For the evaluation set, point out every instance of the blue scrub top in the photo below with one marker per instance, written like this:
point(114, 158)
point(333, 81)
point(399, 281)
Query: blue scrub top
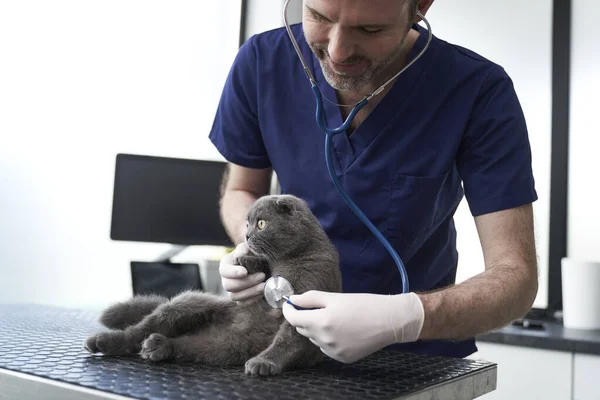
point(450, 120)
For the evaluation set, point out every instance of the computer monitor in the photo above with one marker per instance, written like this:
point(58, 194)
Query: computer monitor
point(167, 200)
point(164, 278)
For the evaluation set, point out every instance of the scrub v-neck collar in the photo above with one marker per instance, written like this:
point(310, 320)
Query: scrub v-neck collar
point(348, 148)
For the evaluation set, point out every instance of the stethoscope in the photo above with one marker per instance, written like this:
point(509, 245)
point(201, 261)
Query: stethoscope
point(279, 289)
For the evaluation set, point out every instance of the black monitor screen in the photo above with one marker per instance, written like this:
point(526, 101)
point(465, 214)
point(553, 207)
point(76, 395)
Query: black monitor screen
point(167, 200)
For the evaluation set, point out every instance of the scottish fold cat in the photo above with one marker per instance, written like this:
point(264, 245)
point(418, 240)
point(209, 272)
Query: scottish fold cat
point(285, 239)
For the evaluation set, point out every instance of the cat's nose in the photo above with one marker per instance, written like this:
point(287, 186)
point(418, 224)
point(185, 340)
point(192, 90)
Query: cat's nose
point(247, 237)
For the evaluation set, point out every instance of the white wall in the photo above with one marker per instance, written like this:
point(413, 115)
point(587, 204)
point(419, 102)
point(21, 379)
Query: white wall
point(80, 82)
point(584, 161)
point(263, 15)
point(518, 36)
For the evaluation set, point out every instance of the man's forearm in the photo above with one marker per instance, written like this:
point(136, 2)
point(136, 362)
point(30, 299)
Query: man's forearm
point(234, 208)
point(485, 302)
point(240, 188)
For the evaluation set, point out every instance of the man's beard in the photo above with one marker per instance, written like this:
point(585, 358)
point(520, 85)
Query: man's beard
point(345, 82)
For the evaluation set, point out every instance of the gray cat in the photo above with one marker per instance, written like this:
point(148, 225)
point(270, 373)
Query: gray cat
point(284, 239)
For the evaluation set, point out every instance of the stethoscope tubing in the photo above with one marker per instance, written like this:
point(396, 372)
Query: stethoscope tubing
point(330, 132)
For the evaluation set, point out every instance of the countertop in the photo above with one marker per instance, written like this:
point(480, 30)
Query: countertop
point(546, 335)
point(42, 356)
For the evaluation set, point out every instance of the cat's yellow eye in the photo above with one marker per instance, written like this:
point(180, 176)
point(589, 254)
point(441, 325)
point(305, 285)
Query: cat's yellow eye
point(261, 224)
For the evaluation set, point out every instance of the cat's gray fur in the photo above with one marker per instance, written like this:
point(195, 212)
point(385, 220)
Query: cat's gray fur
point(210, 329)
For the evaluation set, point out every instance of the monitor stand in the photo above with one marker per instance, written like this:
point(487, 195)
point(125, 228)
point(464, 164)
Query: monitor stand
point(170, 253)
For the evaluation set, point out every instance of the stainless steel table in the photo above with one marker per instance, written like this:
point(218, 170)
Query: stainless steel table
point(42, 357)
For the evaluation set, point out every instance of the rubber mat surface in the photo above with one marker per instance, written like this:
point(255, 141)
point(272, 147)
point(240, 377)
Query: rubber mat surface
point(48, 342)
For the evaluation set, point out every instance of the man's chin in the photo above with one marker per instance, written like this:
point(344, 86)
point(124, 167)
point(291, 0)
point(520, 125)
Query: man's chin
point(343, 83)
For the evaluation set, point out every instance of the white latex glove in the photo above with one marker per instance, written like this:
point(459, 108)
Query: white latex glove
point(348, 326)
point(235, 279)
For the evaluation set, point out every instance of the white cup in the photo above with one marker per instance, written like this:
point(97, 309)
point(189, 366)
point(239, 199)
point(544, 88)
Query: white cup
point(581, 294)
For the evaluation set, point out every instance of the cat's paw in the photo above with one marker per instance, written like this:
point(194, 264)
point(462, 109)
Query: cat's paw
point(259, 366)
point(90, 344)
point(109, 343)
point(156, 347)
point(253, 264)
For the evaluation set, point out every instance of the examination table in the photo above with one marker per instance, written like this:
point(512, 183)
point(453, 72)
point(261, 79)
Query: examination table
point(42, 357)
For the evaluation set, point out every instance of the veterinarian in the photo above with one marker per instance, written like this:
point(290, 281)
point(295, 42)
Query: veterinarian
point(450, 121)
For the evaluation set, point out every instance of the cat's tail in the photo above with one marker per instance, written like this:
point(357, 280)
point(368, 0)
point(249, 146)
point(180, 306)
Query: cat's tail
point(122, 315)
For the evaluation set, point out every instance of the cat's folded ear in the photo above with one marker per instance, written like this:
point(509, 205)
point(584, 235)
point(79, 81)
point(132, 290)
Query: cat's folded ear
point(286, 205)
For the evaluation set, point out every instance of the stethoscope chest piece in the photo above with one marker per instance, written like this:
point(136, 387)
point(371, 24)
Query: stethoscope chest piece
point(277, 290)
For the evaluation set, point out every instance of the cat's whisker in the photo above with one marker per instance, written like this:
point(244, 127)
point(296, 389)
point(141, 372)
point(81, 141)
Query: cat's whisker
point(269, 249)
point(273, 252)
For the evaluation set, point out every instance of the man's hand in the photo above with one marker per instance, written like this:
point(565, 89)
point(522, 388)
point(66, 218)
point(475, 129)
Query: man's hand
point(348, 327)
point(235, 278)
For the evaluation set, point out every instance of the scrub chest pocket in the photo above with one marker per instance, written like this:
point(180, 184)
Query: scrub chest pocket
point(412, 209)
